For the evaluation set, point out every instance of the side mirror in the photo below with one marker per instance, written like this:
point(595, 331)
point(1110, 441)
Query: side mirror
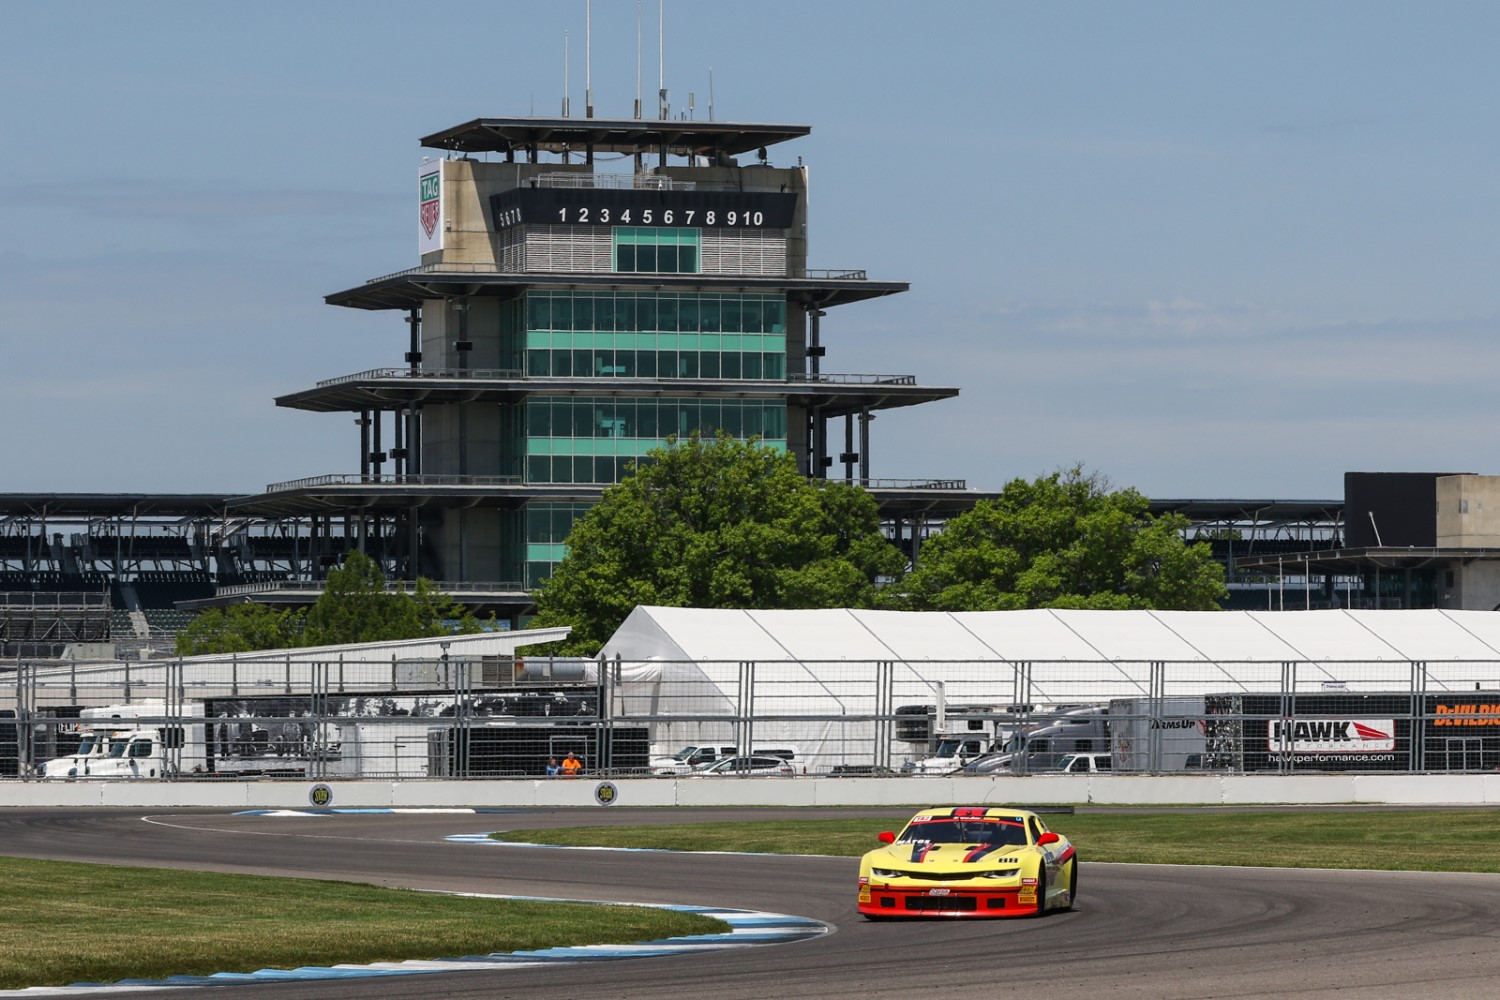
point(1047, 838)
point(887, 837)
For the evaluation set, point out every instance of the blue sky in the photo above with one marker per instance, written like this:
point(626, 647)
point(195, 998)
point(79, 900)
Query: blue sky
point(1210, 250)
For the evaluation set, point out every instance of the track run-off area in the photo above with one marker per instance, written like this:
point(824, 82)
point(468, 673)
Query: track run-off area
point(1138, 931)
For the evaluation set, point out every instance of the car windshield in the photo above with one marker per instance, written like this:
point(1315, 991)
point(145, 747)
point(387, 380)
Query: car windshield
point(1004, 831)
point(86, 746)
point(684, 753)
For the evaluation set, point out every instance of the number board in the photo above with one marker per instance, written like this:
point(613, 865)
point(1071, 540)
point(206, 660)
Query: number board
point(610, 207)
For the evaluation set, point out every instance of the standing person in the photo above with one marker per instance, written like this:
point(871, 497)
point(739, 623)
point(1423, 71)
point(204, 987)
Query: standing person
point(571, 765)
point(552, 768)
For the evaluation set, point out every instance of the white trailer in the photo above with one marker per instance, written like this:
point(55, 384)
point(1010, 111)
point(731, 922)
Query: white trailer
point(1157, 734)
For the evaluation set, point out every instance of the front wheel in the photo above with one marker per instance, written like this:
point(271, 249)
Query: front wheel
point(1041, 891)
point(1072, 883)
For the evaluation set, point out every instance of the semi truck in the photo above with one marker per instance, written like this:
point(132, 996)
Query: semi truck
point(348, 735)
point(1073, 730)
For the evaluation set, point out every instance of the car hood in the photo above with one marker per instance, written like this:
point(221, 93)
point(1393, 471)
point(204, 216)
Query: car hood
point(923, 856)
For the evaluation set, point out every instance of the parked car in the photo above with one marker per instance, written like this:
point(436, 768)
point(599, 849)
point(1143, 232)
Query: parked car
point(695, 756)
point(747, 766)
point(1086, 763)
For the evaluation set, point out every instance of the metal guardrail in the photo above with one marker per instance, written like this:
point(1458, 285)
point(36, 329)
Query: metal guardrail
point(835, 274)
point(393, 586)
point(389, 717)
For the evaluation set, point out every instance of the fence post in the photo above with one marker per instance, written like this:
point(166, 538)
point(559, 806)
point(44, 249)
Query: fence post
point(1417, 727)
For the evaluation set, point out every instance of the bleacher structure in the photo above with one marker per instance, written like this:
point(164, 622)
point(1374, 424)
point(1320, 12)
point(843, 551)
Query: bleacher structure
point(40, 624)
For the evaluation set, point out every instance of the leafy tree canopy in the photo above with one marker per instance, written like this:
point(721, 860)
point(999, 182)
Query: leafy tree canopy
point(354, 607)
point(715, 524)
point(240, 628)
point(1063, 541)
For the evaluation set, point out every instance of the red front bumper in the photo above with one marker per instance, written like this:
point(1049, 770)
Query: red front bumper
point(887, 901)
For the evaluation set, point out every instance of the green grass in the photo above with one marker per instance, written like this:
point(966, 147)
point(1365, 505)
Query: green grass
point(1420, 840)
point(65, 923)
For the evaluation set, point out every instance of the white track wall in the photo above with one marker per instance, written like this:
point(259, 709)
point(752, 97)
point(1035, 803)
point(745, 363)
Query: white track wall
point(1226, 790)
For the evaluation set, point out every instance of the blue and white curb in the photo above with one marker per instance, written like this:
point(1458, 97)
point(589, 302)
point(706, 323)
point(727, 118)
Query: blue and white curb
point(747, 928)
point(485, 838)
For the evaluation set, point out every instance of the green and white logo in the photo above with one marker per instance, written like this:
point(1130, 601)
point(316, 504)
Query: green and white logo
point(432, 193)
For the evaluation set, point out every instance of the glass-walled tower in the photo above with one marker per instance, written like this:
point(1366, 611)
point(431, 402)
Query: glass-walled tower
point(587, 289)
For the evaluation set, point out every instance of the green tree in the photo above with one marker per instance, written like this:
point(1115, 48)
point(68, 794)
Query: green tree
point(240, 628)
point(715, 524)
point(1062, 541)
point(354, 607)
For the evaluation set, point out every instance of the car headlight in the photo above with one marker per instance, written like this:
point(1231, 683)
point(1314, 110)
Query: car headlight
point(41, 769)
point(888, 873)
point(1001, 873)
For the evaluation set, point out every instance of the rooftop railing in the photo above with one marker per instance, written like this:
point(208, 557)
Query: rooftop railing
point(835, 379)
point(371, 479)
point(484, 267)
point(515, 374)
point(619, 181)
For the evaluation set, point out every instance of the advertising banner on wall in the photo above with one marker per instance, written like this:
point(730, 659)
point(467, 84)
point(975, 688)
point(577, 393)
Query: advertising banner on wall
point(1320, 736)
point(430, 207)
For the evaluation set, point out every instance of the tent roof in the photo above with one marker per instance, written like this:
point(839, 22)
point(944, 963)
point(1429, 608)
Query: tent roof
point(1057, 635)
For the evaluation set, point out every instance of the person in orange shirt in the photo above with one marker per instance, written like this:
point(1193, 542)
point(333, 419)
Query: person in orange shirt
point(571, 765)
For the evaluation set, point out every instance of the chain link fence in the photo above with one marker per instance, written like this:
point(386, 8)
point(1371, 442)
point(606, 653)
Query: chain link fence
point(263, 717)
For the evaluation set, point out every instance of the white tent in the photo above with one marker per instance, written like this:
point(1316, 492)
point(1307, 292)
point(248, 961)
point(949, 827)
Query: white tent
point(820, 677)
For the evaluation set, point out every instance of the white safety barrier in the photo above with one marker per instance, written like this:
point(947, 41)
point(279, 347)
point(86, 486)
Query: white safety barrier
point(1332, 789)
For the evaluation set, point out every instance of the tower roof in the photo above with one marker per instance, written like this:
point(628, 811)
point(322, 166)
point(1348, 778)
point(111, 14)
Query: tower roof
point(618, 135)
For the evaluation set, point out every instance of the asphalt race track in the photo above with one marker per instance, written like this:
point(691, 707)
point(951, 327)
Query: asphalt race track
point(1138, 932)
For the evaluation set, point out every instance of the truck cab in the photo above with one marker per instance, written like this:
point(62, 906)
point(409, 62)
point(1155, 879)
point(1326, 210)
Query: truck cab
point(133, 753)
point(952, 753)
point(1086, 763)
point(92, 748)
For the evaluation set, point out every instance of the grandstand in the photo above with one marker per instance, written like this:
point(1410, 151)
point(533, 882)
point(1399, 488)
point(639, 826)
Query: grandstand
point(36, 624)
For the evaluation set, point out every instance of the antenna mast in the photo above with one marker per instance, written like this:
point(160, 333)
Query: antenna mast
point(588, 58)
point(661, 55)
point(638, 59)
point(565, 72)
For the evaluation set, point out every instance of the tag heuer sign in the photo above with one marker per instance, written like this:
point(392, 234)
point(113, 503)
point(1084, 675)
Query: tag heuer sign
point(430, 212)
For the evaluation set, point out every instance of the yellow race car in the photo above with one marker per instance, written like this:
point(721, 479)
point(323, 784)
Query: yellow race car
point(969, 861)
